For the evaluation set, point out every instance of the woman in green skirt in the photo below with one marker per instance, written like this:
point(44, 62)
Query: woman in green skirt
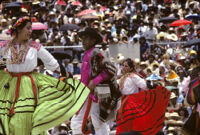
point(30, 102)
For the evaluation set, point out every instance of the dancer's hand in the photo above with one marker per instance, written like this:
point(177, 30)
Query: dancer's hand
point(91, 86)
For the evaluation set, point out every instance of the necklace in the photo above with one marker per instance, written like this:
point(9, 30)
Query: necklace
point(16, 57)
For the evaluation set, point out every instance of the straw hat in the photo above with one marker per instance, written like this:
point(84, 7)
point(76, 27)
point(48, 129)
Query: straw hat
point(136, 60)
point(171, 122)
point(3, 20)
point(192, 52)
point(161, 34)
point(172, 37)
point(180, 123)
point(96, 22)
point(75, 61)
point(172, 76)
point(167, 115)
point(192, 2)
point(116, 7)
point(35, 2)
point(119, 54)
point(24, 10)
point(155, 64)
point(173, 95)
point(108, 30)
point(98, 5)
point(14, 18)
point(143, 63)
point(120, 59)
point(171, 129)
point(52, 13)
point(171, 29)
point(109, 25)
point(174, 115)
point(107, 20)
point(138, 1)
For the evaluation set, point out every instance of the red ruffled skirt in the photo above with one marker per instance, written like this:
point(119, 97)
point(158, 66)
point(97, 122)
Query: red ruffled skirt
point(143, 112)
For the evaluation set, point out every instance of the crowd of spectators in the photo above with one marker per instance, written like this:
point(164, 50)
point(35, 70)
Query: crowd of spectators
point(119, 22)
point(123, 22)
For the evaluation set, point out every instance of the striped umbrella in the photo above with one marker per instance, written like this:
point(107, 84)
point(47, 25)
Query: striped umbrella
point(39, 26)
point(86, 12)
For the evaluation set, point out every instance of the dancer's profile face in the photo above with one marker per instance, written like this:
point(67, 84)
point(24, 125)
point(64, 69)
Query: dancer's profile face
point(125, 68)
point(88, 42)
point(25, 33)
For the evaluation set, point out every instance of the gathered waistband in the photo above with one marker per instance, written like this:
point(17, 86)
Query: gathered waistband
point(19, 75)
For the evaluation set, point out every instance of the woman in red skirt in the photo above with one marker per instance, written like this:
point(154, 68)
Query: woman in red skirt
point(141, 110)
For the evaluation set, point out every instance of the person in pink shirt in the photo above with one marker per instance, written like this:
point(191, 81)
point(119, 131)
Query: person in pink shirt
point(94, 71)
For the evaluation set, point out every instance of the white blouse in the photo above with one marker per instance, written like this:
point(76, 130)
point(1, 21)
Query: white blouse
point(34, 51)
point(132, 84)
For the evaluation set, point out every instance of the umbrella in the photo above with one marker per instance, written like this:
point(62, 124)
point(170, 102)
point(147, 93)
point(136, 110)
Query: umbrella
point(154, 77)
point(39, 26)
point(86, 12)
point(168, 19)
point(88, 17)
point(67, 27)
point(76, 3)
point(13, 5)
point(191, 17)
point(61, 2)
point(180, 22)
point(192, 42)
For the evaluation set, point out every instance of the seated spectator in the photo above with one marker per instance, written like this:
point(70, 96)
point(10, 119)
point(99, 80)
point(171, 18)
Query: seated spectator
point(76, 68)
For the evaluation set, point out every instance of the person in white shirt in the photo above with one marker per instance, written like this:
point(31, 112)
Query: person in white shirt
point(130, 82)
point(151, 32)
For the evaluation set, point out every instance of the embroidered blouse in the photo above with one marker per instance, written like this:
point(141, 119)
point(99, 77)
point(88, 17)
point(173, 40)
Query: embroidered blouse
point(132, 84)
point(29, 62)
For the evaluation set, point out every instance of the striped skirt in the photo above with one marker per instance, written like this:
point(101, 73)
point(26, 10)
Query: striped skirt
point(56, 102)
point(143, 112)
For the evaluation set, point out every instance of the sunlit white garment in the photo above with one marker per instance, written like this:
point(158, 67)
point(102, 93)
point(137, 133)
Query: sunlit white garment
point(29, 62)
point(132, 84)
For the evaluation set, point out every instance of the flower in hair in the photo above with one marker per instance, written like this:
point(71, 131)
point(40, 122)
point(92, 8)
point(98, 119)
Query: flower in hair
point(20, 20)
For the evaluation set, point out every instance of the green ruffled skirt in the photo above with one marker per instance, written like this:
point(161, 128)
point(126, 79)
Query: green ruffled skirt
point(56, 102)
